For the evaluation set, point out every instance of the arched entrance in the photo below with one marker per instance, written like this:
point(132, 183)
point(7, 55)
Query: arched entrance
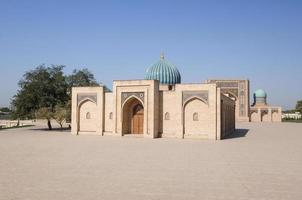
point(133, 117)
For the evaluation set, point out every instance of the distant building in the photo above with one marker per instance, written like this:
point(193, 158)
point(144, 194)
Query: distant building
point(239, 90)
point(261, 111)
point(296, 115)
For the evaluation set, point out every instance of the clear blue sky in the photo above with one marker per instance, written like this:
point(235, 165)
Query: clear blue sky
point(259, 40)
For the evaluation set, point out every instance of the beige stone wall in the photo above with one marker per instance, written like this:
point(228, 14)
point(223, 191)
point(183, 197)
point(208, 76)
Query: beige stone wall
point(109, 107)
point(87, 100)
point(227, 115)
point(150, 88)
point(277, 116)
point(182, 111)
point(180, 123)
point(88, 117)
point(266, 113)
point(255, 117)
point(196, 118)
point(218, 114)
point(172, 108)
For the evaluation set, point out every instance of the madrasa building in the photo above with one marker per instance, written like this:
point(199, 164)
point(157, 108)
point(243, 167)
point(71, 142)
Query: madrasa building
point(157, 106)
point(161, 106)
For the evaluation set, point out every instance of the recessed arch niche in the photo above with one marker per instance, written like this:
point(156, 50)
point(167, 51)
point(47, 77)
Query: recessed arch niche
point(195, 114)
point(87, 116)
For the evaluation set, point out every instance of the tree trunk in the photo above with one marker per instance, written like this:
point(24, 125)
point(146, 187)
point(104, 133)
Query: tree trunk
point(49, 124)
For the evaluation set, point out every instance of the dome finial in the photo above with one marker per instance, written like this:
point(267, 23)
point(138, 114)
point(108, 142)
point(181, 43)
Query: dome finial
point(162, 56)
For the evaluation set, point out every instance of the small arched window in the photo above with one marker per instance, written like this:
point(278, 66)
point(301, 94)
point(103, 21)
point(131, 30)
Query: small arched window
point(110, 115)
point(88, 116)
point(195, 116)
point(167, 116)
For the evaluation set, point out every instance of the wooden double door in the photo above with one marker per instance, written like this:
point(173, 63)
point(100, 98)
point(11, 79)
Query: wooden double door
point(137, 120)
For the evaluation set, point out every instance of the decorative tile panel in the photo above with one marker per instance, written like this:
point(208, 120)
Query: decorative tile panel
point(240, 89)
point(227, 84)
point(82, 96)
point(202, 94)
point(126, 95)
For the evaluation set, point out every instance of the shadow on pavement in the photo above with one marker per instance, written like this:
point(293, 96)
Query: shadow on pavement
point(64, 129)
point(238, 133)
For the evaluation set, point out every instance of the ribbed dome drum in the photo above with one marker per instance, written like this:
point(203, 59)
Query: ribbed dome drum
point(163, 71)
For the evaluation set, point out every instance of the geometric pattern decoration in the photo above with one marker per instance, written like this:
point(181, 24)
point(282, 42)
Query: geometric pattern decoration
point(202, 94)
point(230, 91)
point(91, 96)
point(139, 95)
point(237, 88)
point(227, 84)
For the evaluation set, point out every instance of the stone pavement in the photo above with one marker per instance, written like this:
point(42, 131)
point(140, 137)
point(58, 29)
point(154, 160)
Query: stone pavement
point(260, 161)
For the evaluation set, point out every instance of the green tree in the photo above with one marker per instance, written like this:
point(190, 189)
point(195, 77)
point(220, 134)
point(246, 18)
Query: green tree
point(45, 113)
point(60, 115)
point(5, 109)
point(68, 111)
point(299, 106)
point(81, 78)
point(43, 87)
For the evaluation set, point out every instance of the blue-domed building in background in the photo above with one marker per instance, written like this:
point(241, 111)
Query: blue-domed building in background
point(261, 111)
point(260, 97)
point(164, 72)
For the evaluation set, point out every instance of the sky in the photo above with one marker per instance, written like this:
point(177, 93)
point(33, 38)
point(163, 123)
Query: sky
point(256, 40)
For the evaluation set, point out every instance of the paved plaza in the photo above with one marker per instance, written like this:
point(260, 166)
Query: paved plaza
point(260, 161)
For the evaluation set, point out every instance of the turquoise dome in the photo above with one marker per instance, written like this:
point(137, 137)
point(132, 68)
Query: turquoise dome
point(163, 71)
point(260, 93)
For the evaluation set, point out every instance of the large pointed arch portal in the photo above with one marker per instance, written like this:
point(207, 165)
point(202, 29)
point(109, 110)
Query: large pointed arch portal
point(133, 116)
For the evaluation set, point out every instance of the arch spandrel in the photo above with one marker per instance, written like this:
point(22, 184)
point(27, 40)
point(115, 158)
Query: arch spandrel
point(202, 95)
point(82, 97)
point(131, 98)
point(125, 96)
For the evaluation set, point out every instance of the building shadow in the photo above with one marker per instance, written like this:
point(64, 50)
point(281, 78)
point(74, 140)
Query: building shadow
point(64, 129)
point(238, 133)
